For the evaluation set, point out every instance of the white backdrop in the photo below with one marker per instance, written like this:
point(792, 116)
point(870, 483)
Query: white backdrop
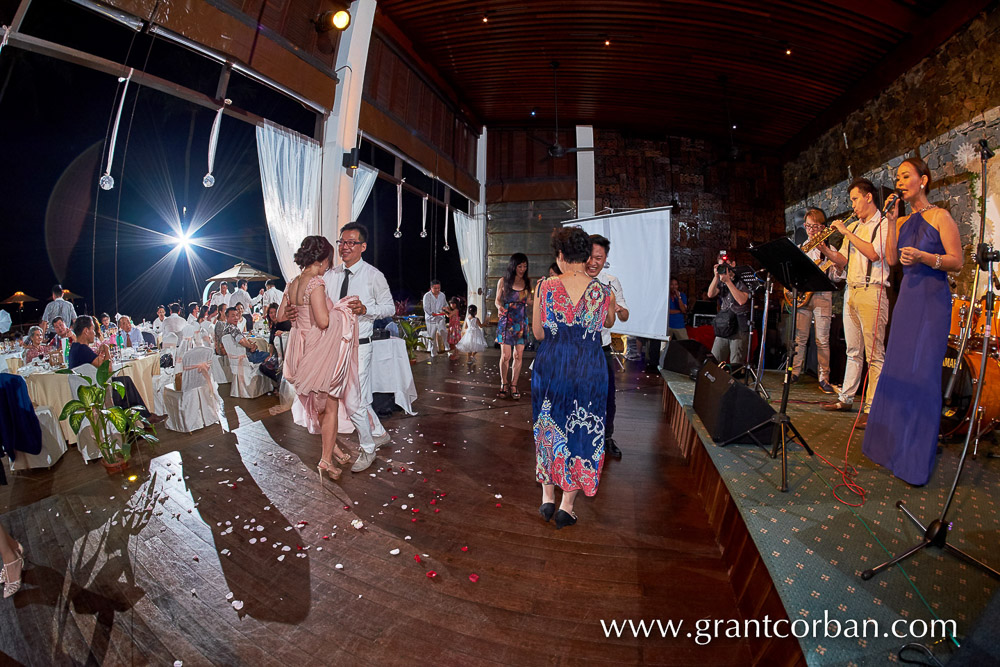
point(640, 259)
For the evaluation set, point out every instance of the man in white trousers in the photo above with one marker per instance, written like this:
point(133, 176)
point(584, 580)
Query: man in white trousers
point(355, 277)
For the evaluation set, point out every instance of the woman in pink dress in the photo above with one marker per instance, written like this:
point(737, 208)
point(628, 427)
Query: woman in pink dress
point(321, 359)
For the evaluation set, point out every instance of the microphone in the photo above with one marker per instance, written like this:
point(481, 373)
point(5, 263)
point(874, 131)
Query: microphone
point(893, 197)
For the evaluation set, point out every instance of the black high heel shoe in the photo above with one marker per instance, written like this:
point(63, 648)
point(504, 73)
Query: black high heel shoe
point(564, 518)
point(547, 510)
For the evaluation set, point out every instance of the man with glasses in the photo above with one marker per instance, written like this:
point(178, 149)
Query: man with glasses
point(818, 310)
point(371, 301)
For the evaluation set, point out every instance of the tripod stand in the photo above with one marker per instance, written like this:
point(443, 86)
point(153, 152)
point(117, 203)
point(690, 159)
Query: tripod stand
point(749, 278)
point(796, 271)
point(758, 385)
point(936, 533)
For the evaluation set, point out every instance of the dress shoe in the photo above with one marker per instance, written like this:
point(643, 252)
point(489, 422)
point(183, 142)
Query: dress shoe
point(364, 461)
point(838, 406)
point(383, 439)
point(862, 421)
point(156, 419)
point(547, 510)
point(612, 448)
point(564, 518)
point(826, 387)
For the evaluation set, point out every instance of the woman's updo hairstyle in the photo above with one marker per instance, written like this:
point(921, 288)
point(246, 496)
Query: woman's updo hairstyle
point(313, 249)
point(572, 242)
point(922, 169)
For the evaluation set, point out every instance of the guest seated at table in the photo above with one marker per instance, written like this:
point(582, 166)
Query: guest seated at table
point(220, 331)
point(105, 329)
point(275, 326)
point(212, 314)
point(247, 319)
point(240, 338)
point(161, 316)
point(33, 347)
point(174, 323)
point(62, 332)
point(131, 334)
point(80, 354)
point(193, 310)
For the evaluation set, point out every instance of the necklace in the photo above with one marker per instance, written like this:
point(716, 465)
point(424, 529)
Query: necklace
point(929, 206)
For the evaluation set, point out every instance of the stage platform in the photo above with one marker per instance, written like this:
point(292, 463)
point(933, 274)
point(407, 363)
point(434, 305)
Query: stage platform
point(815, 547)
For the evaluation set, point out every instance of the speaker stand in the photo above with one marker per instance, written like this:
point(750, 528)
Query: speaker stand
point(783, 429)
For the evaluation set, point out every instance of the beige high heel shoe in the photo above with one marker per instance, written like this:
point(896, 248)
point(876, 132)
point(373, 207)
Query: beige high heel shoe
point(333, 471)
point(11, 587)
point(343, 458)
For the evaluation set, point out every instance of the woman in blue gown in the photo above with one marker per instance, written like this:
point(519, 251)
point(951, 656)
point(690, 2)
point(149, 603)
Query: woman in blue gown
point(569, 382)
point(905, 416)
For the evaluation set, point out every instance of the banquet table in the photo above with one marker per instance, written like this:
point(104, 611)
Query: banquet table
point(50, 389)
point(391, 372)
point(260, 342)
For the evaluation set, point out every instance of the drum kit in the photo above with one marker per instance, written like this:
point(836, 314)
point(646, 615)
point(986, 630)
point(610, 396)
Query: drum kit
point(956, 415)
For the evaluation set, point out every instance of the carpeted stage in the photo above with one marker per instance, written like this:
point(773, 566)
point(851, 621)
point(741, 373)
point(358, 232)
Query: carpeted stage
point(815, 547)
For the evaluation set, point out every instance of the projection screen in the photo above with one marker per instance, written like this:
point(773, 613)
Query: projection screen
point(640, 259)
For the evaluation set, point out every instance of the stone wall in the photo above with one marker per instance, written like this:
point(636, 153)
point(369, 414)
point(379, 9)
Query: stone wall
point(725, 203)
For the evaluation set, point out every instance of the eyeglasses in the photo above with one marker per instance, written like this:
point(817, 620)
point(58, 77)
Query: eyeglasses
point(349, 244)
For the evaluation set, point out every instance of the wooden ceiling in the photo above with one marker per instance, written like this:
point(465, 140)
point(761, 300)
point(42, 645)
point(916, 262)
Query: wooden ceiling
point(689, 67)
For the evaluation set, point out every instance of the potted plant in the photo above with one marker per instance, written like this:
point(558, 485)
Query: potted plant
point(107, 422)
point(410, 333)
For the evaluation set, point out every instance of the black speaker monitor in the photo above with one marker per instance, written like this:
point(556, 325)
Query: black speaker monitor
point(728, 407)
point(685, 356)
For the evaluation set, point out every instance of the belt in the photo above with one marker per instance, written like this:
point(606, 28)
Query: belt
point(364, 341)
point(864, 285)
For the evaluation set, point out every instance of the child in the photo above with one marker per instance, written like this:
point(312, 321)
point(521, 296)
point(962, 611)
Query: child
point(473, 342)
point(454, 325)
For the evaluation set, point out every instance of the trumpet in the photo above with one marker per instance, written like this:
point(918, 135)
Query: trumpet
point(824, 235)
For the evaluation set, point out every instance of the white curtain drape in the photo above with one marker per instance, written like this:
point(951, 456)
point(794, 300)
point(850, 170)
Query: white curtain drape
point(364, 180)
point(470, 233)
point(290, 166)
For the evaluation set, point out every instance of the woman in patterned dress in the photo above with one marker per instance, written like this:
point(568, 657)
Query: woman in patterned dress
point(569, 383)
point(512, 302)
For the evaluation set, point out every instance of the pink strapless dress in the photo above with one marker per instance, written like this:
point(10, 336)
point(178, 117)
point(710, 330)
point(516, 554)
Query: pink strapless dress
point(321, 362)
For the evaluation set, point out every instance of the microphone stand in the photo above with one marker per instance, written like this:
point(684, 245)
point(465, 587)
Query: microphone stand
point(936, 534)
point(758, 385)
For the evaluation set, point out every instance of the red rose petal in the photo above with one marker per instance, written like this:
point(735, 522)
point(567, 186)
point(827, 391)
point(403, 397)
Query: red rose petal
point(299, 547)
point(465, 548)
point(414, 519)
point(431, 574)
point(402, 469)
point(437, 443)
point(473, 577)
point(425, 480)
point(394, 497)
point(326, 537)
point(436, 510)
point(443, 494)
point(434, 501)
point(415, 509)
point(347, 507)
point(437, 470)
point(416, 557)
point(498, 504)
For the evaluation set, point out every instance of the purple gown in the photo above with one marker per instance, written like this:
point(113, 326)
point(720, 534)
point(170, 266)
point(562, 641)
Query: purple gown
point(905, 417)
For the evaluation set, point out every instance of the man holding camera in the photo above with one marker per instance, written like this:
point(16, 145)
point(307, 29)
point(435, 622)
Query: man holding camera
point(731, 323)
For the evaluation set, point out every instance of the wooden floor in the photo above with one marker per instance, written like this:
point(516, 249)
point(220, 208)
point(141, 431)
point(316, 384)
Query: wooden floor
point(228, 551)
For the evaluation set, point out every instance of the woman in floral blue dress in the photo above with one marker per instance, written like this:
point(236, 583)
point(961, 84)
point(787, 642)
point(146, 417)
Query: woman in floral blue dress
point(512, 302)
point(569, 384)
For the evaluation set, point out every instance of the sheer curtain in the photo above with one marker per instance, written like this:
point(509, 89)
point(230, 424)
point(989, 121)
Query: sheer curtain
point(364, 179)
point(471, 236)
point(290, 165)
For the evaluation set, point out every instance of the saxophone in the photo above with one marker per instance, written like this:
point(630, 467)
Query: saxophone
point(809, 245)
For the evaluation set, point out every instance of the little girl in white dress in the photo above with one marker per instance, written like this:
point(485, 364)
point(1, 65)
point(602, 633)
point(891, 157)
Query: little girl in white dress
point(473, 342)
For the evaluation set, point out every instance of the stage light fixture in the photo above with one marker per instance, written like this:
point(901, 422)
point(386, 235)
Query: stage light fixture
point(788, 52)
point(332, 20)
point(351, 159)
point(607, 42)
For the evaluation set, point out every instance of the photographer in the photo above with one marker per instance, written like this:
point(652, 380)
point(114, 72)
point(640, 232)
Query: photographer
point(731, 324)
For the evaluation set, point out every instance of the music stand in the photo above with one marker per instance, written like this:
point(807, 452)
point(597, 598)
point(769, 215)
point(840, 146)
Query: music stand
point(748, 277)
point(786, 262)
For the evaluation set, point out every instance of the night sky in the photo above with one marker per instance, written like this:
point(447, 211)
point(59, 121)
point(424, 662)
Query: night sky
point(56, 120)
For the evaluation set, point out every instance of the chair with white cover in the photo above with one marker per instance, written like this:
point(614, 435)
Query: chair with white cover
point(169, 345)
point(205, 336)
point(186, 342)
point(247, 380)
point(196, 405)
point(87, 444)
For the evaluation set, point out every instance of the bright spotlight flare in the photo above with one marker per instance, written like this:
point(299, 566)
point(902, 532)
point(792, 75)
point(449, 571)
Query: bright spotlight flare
point(333, 20)
point(183, 241)
point(209, 180)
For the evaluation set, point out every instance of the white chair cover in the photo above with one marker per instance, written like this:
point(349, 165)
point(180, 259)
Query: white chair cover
point(247, 380)
point(206, 336)
point(169, 344)
point(53, 444)
point(197, 404)
point(186, 342)
point(221, 372)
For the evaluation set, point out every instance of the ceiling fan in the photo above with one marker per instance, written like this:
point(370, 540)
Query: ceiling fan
point(555, 149)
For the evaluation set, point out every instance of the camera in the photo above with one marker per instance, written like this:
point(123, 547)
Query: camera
point(722, 268)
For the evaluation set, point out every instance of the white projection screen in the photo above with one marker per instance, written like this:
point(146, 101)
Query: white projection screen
point(640, 259)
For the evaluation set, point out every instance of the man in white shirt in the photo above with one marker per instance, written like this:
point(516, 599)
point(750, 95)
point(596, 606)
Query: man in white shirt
point(193, 310)
point(355, 277)
point(866, 306)
point(161, 315)
point(58, 307)
point(435, 303)
point(222, 297)
point(131, 334)
point(241, 297)
point(270, 294)
point(174, 323)
point(595, 269)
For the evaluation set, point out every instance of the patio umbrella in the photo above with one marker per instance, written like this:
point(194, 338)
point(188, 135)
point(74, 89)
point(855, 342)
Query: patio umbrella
point(5, 321)
point(20, 298)
point(242, 271)
point(70, 296)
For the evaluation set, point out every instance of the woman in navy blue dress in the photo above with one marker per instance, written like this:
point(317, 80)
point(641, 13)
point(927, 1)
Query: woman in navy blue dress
point(569, 383)
point(905, 416)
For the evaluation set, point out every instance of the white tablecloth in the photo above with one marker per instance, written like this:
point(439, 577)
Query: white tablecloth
point(391, 372)
point(10, 362)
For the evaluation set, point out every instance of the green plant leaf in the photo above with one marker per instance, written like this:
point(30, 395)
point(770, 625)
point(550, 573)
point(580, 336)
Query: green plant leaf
point(70, 408)
point(126, 450)
point(76, 421)
point(119, 387)
point(117, 417)
point(103, 373)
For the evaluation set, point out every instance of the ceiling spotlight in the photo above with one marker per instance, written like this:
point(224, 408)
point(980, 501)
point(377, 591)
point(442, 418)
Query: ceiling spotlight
point(486, 18)
point(332, 20)
point(734, 126)
point(534, 111)
point(607, 42)
point(788, 52)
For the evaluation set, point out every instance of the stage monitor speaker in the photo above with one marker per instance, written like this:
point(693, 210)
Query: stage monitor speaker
point(728, 407)
point(685, 356)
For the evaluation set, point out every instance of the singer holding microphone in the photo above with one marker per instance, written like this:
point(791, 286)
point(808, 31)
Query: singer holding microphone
point(866, 306)
point(906, 414)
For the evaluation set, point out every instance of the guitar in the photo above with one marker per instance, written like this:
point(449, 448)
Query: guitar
point(806, 297)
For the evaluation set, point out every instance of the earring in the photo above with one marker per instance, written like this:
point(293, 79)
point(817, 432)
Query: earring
point(921, 187)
